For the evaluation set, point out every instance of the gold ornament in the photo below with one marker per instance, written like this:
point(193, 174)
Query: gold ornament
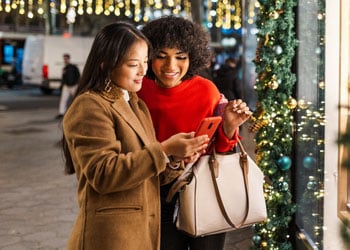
point(266, 39)
point(291, 103)
point(303, 104)
point(274, 15)
point(258, 124)
point(273, 84)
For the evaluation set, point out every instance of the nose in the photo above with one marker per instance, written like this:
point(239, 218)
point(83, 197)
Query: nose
point(142, 69)
point(170, 63)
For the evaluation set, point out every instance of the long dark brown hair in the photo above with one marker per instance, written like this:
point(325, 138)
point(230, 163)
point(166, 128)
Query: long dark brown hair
point(108, 50)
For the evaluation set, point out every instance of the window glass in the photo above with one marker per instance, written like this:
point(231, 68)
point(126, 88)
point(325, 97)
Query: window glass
point(310, 121)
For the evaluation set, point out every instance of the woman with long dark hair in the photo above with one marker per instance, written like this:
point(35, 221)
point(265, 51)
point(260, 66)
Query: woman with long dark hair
point(110, 144)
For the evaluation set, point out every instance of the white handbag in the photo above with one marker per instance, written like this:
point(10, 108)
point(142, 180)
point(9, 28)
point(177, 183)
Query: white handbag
point(222, 192)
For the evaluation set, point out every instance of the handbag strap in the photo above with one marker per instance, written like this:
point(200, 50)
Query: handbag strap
point(243, 161)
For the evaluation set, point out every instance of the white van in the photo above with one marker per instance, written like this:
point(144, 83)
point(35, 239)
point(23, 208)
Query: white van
point(43, 59)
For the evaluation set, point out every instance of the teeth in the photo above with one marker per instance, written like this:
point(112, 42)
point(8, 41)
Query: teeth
point(170, 74)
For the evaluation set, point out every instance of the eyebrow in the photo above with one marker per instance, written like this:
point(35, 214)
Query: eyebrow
point(134, 59)
point(177, 53)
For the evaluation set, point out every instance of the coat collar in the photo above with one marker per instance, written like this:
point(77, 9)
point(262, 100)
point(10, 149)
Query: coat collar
point(129, 111)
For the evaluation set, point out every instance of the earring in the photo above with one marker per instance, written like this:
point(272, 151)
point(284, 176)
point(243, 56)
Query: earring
point(108, 85)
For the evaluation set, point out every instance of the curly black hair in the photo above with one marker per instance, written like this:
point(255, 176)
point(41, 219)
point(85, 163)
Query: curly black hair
point(180, 33)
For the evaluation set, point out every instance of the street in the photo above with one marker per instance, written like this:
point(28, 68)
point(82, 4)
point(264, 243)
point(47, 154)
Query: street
point(38, 202)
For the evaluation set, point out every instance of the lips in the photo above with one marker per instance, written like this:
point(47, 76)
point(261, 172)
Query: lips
point(171, 74)
point(138, 81)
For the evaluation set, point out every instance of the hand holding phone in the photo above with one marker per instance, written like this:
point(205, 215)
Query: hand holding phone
point(208, 126)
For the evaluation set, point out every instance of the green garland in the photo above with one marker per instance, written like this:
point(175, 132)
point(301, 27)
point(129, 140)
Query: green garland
point(274, 118)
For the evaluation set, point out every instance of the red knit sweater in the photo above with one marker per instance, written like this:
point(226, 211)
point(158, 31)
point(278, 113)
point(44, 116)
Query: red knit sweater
point(181, 108)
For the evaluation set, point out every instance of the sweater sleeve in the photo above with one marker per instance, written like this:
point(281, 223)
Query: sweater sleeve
point(222, 143)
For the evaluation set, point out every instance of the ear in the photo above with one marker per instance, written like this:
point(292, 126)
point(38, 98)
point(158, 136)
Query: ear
point(101, 66)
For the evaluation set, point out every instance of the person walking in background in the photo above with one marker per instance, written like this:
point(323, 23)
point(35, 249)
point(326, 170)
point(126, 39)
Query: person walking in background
point(207, 71)
point(226, 78)
point(110, 143)
point(178, 100)
point(70, 79)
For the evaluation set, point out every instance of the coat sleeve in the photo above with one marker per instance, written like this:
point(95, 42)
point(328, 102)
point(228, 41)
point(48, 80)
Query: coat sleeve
point(105, 150)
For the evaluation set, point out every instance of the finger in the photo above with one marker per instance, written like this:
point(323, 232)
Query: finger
point(189, 135)
point(199, 140)
point(237, 101)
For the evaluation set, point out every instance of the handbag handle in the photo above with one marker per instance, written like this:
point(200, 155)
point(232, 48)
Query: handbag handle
point(243, 162)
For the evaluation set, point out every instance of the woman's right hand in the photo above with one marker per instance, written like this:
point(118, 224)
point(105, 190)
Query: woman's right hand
point(185, 145)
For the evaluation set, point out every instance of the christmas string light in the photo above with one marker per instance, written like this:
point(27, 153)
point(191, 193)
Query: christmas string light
point(106, 11)
point(30, 9)
point(14, 4)
point(63, 6)
point(89, 9)
point(7, 6)
point(40, 7)
point(135, 9)
point(21, 7)
point(146, 16)
point(80, 10)
point(99, 7)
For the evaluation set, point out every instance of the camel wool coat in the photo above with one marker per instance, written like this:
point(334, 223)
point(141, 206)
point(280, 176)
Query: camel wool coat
point(117, 161)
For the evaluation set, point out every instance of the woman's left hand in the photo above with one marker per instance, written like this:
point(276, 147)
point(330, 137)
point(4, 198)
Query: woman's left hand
point(235, 114)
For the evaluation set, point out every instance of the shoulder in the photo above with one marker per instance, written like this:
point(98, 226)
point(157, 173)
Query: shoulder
point(88, 106)
point(204, 84)
point(88, 100)
point(147, 86)
point(72, 66)
point(147, 83)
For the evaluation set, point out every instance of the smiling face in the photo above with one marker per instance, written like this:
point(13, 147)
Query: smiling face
point(169, 66)
point(129, 74)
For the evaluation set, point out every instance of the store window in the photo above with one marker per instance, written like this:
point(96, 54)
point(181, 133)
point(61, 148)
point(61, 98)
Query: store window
point(310, 124)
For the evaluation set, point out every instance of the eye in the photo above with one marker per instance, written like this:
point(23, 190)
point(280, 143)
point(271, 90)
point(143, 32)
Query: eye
point(181, 57)
point(160, 57)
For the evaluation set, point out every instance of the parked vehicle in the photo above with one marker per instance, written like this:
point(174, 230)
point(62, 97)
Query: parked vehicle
point(43, 61)
point(11, 56)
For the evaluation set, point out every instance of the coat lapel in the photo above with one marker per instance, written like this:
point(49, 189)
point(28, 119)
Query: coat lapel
point(132, 115)
point(129, 116)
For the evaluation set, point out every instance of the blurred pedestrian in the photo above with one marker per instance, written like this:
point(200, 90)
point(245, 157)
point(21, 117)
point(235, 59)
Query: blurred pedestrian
point(70, 79)
point(227, 80)
point(207, 71)
point(110, 143)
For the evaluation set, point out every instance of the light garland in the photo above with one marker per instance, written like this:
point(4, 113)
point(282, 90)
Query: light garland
point(273, 119)
point(133, 9)
point(226, 14)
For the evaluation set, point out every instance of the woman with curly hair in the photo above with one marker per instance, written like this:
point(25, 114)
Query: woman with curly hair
point(178, 100)
point(110, 144)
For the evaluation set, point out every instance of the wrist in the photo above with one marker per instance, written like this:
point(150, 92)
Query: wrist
point(174, 164)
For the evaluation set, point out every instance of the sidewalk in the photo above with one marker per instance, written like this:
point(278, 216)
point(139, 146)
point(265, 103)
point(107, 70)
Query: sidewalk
point(38, 202)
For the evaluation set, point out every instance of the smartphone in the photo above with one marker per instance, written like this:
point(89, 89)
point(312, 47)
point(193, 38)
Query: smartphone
point(208, 126)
